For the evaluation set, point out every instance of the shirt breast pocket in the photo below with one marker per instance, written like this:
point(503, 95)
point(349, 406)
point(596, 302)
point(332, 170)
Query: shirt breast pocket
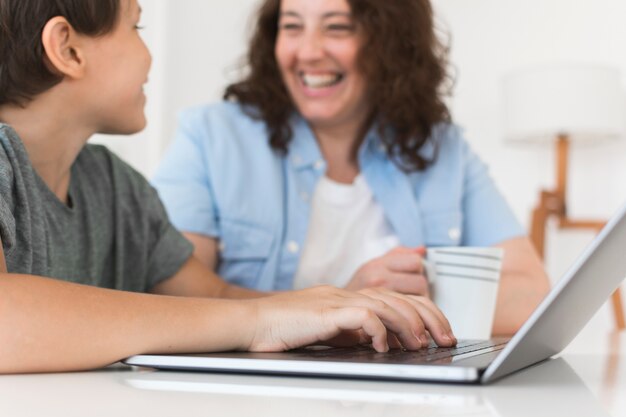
point(243, 252)
point(443, 228)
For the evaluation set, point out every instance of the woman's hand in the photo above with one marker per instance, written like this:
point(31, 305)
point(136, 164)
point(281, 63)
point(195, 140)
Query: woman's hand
point(338, 317)
point(400, 269)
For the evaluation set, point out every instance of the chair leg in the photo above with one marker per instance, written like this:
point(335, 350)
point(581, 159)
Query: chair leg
point(618, 310)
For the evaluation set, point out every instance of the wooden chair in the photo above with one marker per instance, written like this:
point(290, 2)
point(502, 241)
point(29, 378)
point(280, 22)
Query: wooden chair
point(553, 204)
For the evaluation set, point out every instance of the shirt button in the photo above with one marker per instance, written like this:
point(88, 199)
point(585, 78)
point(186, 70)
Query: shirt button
point(454, 233)
point(304, 196)
point(293, 247)
point(296, 160)
point(319, 165)
point(221, 247)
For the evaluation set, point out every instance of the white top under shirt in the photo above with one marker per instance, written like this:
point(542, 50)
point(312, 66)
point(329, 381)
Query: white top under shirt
point(347, 229)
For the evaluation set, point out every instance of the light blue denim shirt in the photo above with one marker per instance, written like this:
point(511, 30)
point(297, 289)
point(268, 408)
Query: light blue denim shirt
point(220, 178)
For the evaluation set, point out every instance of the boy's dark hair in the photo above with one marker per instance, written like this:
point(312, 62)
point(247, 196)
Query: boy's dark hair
point(24, 70)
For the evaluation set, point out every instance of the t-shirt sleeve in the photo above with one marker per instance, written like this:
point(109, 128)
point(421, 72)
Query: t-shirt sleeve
point(7, 220)
point(147, 233)
point(488, 219)
point(183, 179)
point(169, 250)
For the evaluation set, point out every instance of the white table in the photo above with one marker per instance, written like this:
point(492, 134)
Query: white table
point(569, 386)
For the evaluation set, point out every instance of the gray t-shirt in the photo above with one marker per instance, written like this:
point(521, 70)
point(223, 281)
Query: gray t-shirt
point(114, 233)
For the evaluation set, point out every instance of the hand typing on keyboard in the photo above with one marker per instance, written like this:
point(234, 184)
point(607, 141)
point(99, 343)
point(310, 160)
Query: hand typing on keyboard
point(337, 317)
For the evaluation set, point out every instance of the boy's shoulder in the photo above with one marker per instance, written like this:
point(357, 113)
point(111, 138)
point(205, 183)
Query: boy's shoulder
point(99, 155)
point(101, 164)
point(6, 170)
point(8, 139)
point(16, 179)
point(96, 154)
point(4, 145)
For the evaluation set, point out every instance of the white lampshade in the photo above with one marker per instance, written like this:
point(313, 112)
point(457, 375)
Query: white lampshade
point(582, 101)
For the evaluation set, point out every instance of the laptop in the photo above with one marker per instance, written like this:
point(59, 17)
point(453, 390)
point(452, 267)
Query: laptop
point(571, 303)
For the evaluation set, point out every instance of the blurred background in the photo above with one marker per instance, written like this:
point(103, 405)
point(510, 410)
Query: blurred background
point(198, 46)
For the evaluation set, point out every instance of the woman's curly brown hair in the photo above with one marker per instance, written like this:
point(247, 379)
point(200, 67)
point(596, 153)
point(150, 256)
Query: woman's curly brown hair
point(405, 66)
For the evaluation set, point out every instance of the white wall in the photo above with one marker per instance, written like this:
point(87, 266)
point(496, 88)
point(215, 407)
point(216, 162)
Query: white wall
point(197, 45)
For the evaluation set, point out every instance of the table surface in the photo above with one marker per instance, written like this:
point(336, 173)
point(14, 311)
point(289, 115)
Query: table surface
point(571, 385)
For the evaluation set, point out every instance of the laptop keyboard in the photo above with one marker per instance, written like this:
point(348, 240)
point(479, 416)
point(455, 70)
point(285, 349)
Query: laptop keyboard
point(431, 354)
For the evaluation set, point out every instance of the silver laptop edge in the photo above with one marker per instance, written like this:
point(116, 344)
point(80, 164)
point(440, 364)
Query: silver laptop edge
point(570, 304)
point(552, 326)
point(312, 368)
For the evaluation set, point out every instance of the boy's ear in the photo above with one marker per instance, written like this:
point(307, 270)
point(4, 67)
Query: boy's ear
point(62, 48)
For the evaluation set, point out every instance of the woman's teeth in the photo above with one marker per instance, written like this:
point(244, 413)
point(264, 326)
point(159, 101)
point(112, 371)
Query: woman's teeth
point(320, 81)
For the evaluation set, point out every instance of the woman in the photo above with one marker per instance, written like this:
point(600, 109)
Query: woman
point(335, 160)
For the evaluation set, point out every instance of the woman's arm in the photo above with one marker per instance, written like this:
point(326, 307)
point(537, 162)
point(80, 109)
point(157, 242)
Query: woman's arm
point(523, 285)
point(197, 277)
point(205, 249)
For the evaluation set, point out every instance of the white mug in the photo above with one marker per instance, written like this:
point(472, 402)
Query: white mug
point(464, 285)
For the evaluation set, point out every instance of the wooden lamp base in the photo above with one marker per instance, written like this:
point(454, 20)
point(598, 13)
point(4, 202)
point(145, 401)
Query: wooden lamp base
point(552, 205)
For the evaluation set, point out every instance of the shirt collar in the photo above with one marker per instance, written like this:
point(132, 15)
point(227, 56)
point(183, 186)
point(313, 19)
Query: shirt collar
point(304, 151)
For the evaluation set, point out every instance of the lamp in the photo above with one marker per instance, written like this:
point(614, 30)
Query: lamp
point(561, 104)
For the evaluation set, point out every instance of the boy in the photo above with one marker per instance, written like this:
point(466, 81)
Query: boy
point(77, 214)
